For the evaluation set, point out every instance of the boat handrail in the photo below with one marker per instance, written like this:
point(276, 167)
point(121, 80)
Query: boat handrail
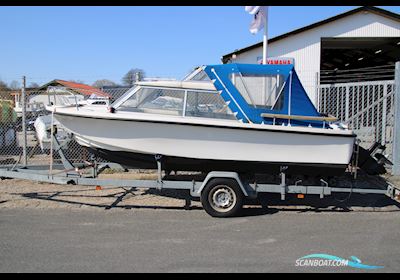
point(185, 85)
point(298, 117)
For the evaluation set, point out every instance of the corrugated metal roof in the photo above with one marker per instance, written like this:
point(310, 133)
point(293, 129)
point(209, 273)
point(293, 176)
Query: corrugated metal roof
point(83, 89)
point(77, 87)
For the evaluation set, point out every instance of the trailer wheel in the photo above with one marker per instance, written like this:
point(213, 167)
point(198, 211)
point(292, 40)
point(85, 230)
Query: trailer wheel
point(222, 198)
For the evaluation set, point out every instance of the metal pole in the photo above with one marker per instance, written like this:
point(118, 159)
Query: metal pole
point(384, 113)
point(290, 96)
point(265, 38)
point(347, 104)
point(52, 142)
point(24, 136)
point(184, 104)
point(396, 134)
point(265, 54)
point(317, 97)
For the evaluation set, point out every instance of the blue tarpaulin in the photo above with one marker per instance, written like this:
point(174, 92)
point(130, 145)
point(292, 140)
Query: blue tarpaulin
point(295, 100)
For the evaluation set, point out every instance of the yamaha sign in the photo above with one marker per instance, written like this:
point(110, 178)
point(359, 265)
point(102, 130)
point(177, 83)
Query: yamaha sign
point(276, 60)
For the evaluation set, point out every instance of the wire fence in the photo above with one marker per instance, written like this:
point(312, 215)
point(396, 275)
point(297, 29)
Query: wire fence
point(37, 126)
point(312, 80)
point(367, 107)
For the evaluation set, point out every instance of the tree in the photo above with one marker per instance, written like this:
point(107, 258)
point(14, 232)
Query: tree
point(132, 76)
point(34, 85)
point(14, 85)
point(103, 83)
point(3, 85)
point(77, 81)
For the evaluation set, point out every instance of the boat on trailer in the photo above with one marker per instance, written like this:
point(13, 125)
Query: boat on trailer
point(235, 117)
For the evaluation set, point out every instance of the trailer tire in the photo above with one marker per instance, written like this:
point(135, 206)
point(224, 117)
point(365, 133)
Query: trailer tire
point(222, 198)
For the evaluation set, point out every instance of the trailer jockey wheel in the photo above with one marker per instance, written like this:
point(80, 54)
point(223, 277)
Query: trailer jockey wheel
point(222, 197)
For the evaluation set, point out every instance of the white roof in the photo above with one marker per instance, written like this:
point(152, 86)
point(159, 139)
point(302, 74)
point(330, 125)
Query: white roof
point(202, 85)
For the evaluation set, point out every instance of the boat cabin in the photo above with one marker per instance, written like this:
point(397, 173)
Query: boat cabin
point(260, 94)
point(178, 98)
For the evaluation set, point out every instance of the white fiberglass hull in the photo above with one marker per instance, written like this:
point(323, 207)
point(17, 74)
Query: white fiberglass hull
point(203, 139)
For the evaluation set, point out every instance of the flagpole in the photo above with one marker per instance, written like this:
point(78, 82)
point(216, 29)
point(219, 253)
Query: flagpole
point(265, 39)
point(265, 53)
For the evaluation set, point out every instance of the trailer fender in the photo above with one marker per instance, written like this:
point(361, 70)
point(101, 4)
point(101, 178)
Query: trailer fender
point(221, 174)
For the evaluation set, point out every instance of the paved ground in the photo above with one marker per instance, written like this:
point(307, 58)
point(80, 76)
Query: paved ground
point(53, 228)
point(90, 240)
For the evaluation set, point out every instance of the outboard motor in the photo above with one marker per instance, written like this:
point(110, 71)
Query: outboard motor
point(372, 161)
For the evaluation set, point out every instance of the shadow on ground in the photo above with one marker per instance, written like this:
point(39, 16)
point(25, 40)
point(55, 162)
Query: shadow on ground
point(266, 204)
point(74, 198)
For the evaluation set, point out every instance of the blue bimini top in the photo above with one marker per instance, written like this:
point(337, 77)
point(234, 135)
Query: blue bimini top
point(241, 85)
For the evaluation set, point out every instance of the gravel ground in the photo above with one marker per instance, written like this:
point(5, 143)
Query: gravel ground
point(29, 194)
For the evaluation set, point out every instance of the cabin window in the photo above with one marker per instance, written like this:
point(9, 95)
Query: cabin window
point(178, 102)
point(260, 91)
point(207, 105)
point(155, 100)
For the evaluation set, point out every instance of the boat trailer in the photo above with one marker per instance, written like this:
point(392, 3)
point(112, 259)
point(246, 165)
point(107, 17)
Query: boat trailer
point(222, 193)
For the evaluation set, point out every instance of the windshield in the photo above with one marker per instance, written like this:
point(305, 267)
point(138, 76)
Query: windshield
point(176, 101)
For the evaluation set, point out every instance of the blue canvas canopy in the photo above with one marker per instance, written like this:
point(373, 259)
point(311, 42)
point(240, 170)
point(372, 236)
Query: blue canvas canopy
point(293, 99)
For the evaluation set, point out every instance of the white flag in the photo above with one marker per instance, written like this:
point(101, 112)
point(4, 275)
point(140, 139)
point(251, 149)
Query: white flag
point(260, 15)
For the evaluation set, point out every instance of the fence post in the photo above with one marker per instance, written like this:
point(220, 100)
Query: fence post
point(347, 104)
point(384, 115)
point(396, 130)
point(24, 136)
point(317, 92)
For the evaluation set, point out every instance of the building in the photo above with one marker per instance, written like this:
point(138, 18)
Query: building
point(335, 49)
point(62, 91)
point(77, 88)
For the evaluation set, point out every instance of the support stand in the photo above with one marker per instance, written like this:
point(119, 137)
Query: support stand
point(283, 182)
point(158, 158)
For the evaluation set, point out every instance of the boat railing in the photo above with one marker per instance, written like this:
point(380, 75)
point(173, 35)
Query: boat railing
point(299, 117)
point(65, 102)
point(323, 119)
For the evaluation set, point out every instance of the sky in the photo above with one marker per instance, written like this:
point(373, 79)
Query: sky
point(91, 43)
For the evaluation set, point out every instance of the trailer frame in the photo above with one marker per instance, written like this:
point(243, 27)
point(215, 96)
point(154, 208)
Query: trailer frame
point(68, 173)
